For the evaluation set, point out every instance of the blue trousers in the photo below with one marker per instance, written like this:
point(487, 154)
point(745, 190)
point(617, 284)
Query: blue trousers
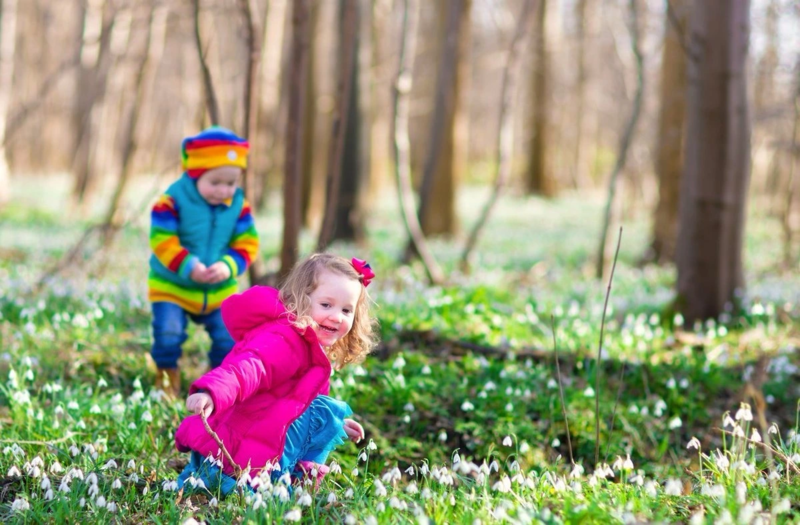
point(169, 334)
point(311, 437)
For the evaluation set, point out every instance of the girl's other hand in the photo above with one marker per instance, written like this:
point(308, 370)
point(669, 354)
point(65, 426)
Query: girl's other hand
point(201, 403)
point(218, 272)
point(198, 273)
point(353, 430)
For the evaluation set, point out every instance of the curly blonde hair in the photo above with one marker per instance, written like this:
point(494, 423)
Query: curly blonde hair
point(303, 280)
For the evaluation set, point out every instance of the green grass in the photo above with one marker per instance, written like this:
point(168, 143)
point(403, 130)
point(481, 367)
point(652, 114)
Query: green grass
point(460, 403)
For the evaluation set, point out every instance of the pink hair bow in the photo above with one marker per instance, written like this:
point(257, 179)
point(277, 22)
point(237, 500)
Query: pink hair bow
point(364, 269)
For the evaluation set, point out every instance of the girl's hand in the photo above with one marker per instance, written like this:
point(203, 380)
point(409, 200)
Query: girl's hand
point(200, 403)
point(218, 272)
point(198, 273)
point(353, 430)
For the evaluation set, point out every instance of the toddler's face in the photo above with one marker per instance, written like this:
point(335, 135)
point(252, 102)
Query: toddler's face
point(218, 185)
point(333, 305)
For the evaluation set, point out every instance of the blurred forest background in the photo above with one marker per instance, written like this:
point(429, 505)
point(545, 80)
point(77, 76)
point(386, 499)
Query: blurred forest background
point(623, 98)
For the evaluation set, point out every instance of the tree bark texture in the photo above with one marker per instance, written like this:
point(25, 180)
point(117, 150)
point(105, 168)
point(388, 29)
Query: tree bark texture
point(447, 144)
point(670, 137)
point(8, 35)
point(313, 186)
point(400, 138)
point(538, 178)
point(212, 106)
point(717, 160)
point(298, 69)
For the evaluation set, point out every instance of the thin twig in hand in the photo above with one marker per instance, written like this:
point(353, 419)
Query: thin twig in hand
point(560, 389)
point(599, 355)
point(236, 469)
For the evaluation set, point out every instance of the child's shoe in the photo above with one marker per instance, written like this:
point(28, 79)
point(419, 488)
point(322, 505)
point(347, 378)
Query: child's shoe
point(169, 380)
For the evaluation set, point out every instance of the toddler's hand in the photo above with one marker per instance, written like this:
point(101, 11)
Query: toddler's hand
point(218, 272)
point(199, 273)
point(353, 430)
point(200, 403)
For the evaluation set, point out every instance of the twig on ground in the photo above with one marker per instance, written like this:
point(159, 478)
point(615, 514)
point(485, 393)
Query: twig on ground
point(560, 388)
point(599, 355)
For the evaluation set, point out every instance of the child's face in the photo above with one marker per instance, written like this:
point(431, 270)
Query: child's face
point(218, 185)
point(333, 305)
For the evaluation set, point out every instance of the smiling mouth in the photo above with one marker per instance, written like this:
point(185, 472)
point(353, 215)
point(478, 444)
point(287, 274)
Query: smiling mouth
point(327, 329)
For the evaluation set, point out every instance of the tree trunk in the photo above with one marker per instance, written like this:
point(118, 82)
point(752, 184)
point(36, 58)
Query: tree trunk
point(578, 174)
point(92, 82)
point(400, 138)
point(505, 131)
point(313, 186)
point(298, 69)
point(764, 84)
point(717, 161)
point(669, 145)
point(212, 105)
point(627, 136)
point(346, 106)
point(539, 179)
point(379, 112)
point(8, 35)
point(446, 148)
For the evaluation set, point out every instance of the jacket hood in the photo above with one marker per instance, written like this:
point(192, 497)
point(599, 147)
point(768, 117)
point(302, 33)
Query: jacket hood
point(247, 310)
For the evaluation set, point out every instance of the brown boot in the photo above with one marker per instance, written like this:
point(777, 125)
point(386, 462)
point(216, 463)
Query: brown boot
point(169, 380)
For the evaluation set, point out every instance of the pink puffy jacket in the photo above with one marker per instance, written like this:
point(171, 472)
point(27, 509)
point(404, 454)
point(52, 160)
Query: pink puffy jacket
point(267, 380)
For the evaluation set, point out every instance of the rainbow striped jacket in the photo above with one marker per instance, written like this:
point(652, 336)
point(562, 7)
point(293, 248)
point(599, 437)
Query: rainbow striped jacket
point(185, 230)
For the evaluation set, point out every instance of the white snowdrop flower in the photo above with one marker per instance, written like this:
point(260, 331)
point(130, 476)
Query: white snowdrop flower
point(773, 429)
point(412, 488)
point(737, 431)
point(555, 443)
point(147, 417)
point(350, 520)
point(349, 493)
point(721, 461)
point(117, 484)
point(354, 472)
point(671, 383)
point(589, 392)
point(37, 462)
point(399, 363)
point(305, 499)
point(100, 502)
point(684, 383)
point(674, 423)
point(503, 485)
point(659, 408)
point(744, 413)
point(673, 487)
point(466, 406)
point(372, 520)
point(34, 472)
point(651, 488)
point(514, 467)
point(424, 469)
point(741, 494)
point(74, 451)
point(101, 383)
point(694, 443)
point(89, 449)
point(380, 489)
point(281, 492)
point(442, 436)
point(627, 465)
point(577, 471)
point(93, 491)
point(782, 507)
point(410, 470)
point(29, 375)
point(91, 479)
point(170, 485)
point(617, 465)
point(362, 456)
point(371, 445)
point(59, 411)
point(14, 472)
point(95, 409)
point(109, 464)
point(426, 370)
point(524, 447)
point(509, 407)
point(755, 436)
point(335, 468)
point(111, 506)
point(20, 505)
point(507, 442)
point(644, 411)
point(56, 468)
point(191, 521)
point(82, 426)
point(551, 384)
point(395, 503)
point(426, 493)
point(456, 458)
point(45, 484)
point(131, 464)
point(293, 515)
point(64, 486)
point(408, 407)
point(795, 459)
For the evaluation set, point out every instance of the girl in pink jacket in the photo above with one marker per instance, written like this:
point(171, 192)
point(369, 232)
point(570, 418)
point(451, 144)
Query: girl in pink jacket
point(268, 400)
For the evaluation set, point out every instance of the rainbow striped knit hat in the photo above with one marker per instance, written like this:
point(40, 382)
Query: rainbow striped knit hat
point(211, 148)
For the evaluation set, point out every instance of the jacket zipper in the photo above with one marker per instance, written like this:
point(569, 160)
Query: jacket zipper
point(208, 252)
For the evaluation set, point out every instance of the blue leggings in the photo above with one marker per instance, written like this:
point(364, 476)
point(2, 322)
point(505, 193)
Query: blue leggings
point(169, 334)
point(311, 437)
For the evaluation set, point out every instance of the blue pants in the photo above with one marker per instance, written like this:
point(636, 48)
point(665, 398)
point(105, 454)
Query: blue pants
point(169, 334)
point(311, 437)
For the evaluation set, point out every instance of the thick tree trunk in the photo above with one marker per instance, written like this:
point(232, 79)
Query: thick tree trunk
point(446, 149)
point(298, 69)
point(717, 160)
point(669, 145)
point(538, 178)
point(92, 81)
point(581, 9)
point(8, 35)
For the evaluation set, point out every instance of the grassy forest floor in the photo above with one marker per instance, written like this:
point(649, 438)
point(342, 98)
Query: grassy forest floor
point(461, 401)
